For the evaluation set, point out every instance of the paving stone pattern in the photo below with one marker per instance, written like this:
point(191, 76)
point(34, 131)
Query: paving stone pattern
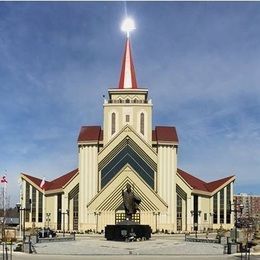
point(154, 246)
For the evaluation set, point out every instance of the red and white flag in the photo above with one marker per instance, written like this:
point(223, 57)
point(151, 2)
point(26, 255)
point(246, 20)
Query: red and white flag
point(4, 180)
point(42, 183)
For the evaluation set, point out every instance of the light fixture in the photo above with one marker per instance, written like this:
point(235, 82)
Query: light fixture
point(128, 25)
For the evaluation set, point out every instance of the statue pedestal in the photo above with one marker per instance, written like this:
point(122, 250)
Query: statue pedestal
point(127, 231)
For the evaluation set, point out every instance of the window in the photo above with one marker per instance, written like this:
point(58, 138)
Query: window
point(179, 213)
point(113, 123)
point(127, 101)
point(75, 211)
point(205, 217)
point(222, 206)
point(121, 217)
point(40, 199)
point(196, 213)
point(127, 118)
point(59, 208)
point(27, 199)
point(215, 209)
point(228, 203)
point(33, 204)
point(142, 123)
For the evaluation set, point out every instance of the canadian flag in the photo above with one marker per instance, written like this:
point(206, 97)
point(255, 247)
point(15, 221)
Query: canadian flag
point(4, 180)
point(42, 183)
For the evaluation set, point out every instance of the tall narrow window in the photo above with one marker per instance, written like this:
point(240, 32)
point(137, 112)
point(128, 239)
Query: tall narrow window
point(40, 200)
point(228, 211)
point(75, 212)
point(27, 204)
point(33, 204)
point(222, 206)
point(179, 213)
point(215, 208)
point(59, 209)
point(113, 123)
point(127, 118)
point(142, 123)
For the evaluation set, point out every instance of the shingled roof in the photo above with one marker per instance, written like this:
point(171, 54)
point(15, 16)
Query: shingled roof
point(90, 133)
point(160, 134)
point(55, 184)
point(165, 134)
point(201, 185)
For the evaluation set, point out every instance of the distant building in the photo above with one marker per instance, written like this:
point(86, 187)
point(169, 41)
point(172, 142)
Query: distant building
point(9, 221)
point(251, 205)
point(127, 149)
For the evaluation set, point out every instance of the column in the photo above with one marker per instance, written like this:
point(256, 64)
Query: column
point(218, 194)
point(30, 212)
point(199, 215)
point(191, 215)
point(37, 207)
point(225, 205)
point(231, 199)
point(43, 211)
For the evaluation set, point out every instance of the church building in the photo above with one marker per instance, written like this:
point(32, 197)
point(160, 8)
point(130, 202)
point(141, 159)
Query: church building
point(127, 149)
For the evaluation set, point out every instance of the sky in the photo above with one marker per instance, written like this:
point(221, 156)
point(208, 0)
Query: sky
point(199, 60)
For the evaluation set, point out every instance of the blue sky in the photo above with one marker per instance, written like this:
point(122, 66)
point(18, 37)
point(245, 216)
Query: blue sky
point(199, 60)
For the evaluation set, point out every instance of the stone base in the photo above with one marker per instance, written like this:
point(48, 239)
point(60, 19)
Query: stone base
point(127, 231)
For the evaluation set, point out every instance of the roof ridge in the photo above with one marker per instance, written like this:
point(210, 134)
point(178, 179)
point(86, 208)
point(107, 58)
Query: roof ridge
point(199, 184)
point(229, 177)
point(191, 175)
point(65, 174)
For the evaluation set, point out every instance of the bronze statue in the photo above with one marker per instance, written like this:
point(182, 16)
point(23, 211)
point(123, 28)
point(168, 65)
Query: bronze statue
point(131, 202)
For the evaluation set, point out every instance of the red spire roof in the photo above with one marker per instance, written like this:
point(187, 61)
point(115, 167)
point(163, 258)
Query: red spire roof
point(127, 77)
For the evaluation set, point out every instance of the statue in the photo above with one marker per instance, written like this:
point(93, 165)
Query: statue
point(128, 230)
point(131, 202)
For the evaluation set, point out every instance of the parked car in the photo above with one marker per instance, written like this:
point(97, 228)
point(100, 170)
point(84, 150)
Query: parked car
point(46, 232)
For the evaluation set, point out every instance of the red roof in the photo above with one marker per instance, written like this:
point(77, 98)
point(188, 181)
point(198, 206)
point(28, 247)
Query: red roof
point(35, 180)
point(194, 182)
point(165, 134)
point(211, 186)
point(90, 133)
point(127, 67)
point(198, 184)
point(56, 183)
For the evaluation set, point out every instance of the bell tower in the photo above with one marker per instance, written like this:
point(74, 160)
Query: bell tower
point(128, 104)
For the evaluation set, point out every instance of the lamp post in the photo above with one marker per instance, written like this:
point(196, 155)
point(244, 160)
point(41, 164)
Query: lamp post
point(97, 213)
point(18, 206)
point(20, 209)
point(48, 215)
point(198, 213)
point(236, 210)
point(63, 220)
point(156, 214)
point(196, 229)
point(211, 214)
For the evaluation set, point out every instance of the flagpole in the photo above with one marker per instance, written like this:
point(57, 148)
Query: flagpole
point(4, 181)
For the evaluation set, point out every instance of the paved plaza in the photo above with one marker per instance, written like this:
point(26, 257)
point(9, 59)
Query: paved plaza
point(125, 257)
point(154, 246)
point(98, 248)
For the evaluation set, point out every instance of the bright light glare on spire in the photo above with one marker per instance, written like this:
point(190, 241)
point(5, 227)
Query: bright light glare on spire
point(128, 25)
